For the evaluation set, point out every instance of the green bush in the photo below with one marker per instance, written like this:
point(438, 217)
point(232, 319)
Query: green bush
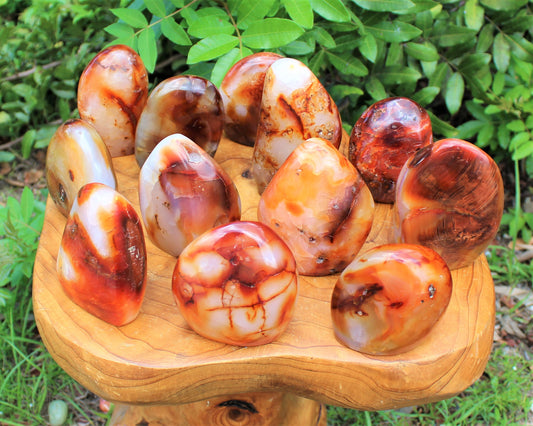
point(44, 46)
point(469, 63)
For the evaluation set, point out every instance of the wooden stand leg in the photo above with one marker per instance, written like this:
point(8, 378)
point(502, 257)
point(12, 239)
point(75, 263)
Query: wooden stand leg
point(268, 408)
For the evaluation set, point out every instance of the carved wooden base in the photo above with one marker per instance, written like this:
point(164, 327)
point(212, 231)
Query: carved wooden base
point(158, 359)
point(252, 409)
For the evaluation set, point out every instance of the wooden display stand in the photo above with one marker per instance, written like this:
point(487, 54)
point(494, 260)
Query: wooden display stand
point(159, 371)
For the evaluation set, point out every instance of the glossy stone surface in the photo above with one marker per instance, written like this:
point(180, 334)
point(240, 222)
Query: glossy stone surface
point(112, 92)
point(184, 192)
point(450, 198)
point(183, 104)
point(242, 90)
point(319, 204)
point(294, 107)
point(101, 262)
point(382, 139)
point(237, 284)
point(76, 156)
point(390, 297)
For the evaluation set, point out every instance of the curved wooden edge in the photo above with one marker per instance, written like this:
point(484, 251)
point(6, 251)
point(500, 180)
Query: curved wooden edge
point(158, 359)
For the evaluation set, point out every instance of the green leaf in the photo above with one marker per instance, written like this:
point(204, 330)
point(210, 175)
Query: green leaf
point(26, 204)
point(300, 12)
point(421, 6)
point(516, 126)
point(485, 38)
point(505, 5)
point(323, 38)
point(27, 142)
point(211, 47)
point(472, 64)
point(270, 33)
point(340, 91)
point(424, 20)
point(131, 17)
point(345, 43)
point(174, 32)
point(298, 48)
point(223, 65)
point(503, 136)
point(156, 7)
point(455, 89)
point(498, 83)
point(395, 31)
point(522, 146)
point(429, 68)
point(249, 11)
point(422, 51)
point(209, 26)
point(384, 5)
point(474, 15)
point(394, 55)
point(201, 69)
point(148, 49)
point(523, 69)
point(347, 64)
point(6, 157)
point(441, 127)
point(522, 48)
point(485, 135)
point(501, 52)
point(331, 10)
point(375, 89)
point(317, 62)
point(529, 122)
point(398, 74)
point(426, 95)
point(469, 129)
point(518, 24)
point(369, 47)
point(120, 30)
point(211, 11)
point(454, 35)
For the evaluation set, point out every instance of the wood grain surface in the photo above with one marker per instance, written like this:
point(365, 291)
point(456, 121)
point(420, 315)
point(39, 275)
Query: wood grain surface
point(158, 359)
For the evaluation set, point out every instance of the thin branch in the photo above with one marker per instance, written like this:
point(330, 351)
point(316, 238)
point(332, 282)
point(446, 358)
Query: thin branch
point(31, 71)
point(10, 143)
point(168, 61)
point(19, 139)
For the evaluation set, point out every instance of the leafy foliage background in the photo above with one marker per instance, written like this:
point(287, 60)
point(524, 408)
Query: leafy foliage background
point(468, 62)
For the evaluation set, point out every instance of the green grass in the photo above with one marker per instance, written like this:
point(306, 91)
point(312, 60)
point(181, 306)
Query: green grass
point(29, 377)
point(502, 396)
